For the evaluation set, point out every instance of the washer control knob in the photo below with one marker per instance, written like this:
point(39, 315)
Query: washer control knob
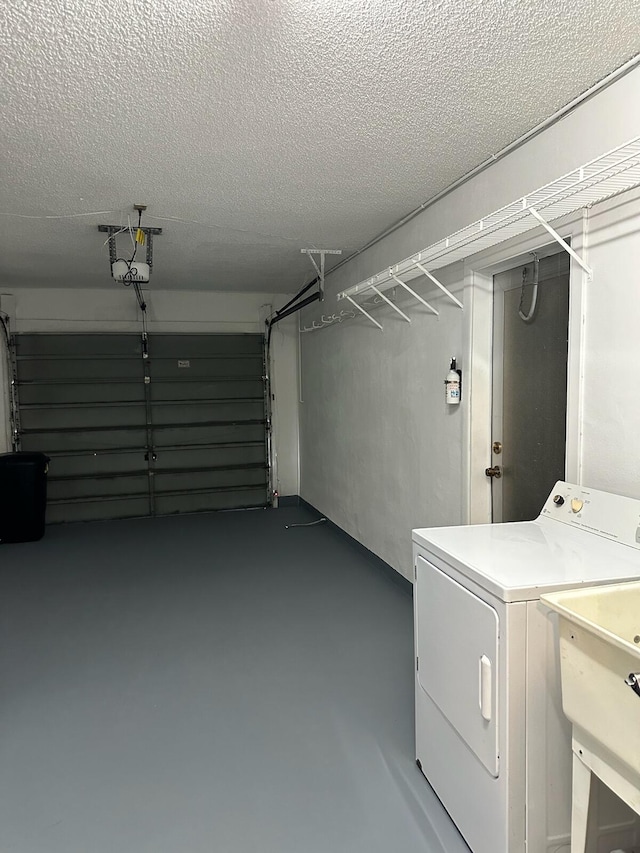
point(576, 504)
point(558, 500)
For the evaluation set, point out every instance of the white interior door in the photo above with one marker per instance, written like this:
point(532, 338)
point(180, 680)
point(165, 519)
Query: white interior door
point(457, 648)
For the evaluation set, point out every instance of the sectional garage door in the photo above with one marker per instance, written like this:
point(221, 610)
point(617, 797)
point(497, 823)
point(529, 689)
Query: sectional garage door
point(181, 427)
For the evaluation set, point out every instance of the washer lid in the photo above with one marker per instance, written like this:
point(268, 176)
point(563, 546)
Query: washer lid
point(519, 561)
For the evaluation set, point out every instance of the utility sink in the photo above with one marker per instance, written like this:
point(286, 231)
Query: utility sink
point(600, 670)
point(610, 612)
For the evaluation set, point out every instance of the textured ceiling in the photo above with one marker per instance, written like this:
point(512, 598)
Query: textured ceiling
point(273, 124)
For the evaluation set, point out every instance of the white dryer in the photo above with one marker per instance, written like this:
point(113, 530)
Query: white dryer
point(491, 737)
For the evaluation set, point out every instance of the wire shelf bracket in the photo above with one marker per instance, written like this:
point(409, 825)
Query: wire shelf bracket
point(562, 242)
point(605, 176)
point(414, 294)
point(366, 313)
point(426, 272)
point(389, 302)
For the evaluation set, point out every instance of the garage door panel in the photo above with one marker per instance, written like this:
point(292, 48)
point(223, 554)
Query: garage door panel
point(94, 440)
point(61, 393)
point(213, 479)
point(204, 346)
point(79, 367)
point(118, 484)
point(210, 412)
point(209, 368)
point(225, 433)
point(80, 465)
point(198, 389)
point(76, 346)
point(84, 417)
point(198, 457)
point(98, 510)
point(209, 501)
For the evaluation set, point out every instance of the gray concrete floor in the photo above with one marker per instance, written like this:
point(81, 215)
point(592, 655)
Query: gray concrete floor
point(208, 683)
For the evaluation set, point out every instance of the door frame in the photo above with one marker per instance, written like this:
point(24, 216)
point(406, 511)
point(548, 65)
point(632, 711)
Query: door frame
point(478, 344)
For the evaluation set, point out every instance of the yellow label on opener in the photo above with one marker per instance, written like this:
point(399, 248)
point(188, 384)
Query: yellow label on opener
point(140, 236)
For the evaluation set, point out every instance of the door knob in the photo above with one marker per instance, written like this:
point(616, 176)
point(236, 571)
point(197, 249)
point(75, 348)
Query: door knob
point(495, 471)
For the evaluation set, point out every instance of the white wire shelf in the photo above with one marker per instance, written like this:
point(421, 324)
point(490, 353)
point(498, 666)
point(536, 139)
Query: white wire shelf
point(606, 176)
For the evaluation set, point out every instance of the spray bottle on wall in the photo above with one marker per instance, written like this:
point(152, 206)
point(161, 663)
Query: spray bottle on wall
point(452, 384)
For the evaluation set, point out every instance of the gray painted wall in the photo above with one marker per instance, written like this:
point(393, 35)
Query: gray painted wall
point(380, 449)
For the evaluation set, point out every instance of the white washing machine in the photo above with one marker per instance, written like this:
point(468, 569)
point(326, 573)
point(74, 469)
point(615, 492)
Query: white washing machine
point(491, 737)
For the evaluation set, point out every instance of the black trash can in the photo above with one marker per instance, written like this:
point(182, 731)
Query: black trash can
point(23, 496)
